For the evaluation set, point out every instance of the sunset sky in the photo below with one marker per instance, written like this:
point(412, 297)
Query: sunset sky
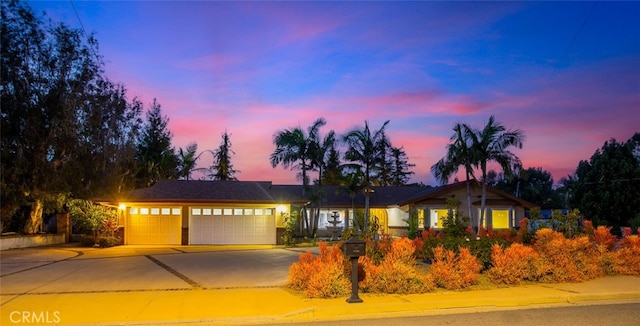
point(566, 73)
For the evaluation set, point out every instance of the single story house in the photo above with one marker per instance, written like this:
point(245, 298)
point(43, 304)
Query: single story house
point(186, 212)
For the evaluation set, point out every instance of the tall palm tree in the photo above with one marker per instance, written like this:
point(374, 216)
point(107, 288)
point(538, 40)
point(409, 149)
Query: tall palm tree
point(296, 149)
point(459, 153)
point(362, 150)
point(492, 144)
point(320, 151)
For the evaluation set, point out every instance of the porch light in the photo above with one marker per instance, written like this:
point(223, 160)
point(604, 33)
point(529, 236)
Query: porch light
point(281, 209)
point(122, 207)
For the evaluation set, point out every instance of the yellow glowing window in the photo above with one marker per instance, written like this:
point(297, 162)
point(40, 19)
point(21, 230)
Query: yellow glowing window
point(420, 218)
point(438, 216)
point(500, 218)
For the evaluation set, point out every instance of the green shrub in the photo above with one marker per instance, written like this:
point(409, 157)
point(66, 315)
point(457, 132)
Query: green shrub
point(106, 242)
point(87, 241)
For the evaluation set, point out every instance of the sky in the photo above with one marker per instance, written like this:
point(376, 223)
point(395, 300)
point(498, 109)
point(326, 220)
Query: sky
point(566, 73)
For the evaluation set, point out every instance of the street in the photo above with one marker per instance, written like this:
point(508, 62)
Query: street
point(619, 314)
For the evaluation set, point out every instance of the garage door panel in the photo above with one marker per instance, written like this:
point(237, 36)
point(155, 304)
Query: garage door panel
point(154, 229)
point(237, 229)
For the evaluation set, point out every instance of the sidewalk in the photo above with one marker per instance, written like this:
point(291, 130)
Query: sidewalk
point(244, 306)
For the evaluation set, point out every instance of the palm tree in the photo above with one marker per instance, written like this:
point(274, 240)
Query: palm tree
point(491, 144)
point(459, 153)
point(362, 149)
point(187, 160)
point(320, 152)
point(296, 149)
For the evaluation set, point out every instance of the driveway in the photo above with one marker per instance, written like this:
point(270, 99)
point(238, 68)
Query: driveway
point(67, 269)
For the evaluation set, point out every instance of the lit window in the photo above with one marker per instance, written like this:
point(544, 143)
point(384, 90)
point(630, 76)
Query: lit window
point(248, 211)
point(258, 211)
point(500, 218)
point(228, 211)
point(268, 211)
point(206, 211)
point(237, 211)
point(155, 211)
point(438, 216)
point(196, 211)
point(175, 211)
point(217, 211)
point(144, 211)
point(133, 210)
point(166, 211)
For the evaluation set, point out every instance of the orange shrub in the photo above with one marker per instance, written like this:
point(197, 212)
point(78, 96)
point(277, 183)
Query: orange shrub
point(564, 260)
point(523, 232)
point(513, 264)
point(397, 273)
point(452, 271)
point(627, 258)
point(602, 237)
point(322, 276)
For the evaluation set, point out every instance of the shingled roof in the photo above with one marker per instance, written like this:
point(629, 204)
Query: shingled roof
point(264, 192)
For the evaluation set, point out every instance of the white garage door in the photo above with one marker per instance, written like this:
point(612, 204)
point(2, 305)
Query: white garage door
point(154, 225)
point(232, 226)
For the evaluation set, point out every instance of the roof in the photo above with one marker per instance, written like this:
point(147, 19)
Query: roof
point(264, 192)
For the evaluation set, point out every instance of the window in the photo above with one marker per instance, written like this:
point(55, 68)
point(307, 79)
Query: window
point(155, 211)
point(133, 210)
point(217, 211)
point(175, 211)
point(237, 211)
point(268, 211)
point(228, 211)
point(166, 211)
point(144, 211)
point(258, 211)
point(500, 218)
point(206, 211)
point(248, 211)
point(437, 216)
point(196, 211)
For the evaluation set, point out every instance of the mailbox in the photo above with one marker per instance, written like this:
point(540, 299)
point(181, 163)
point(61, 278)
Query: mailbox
point(354, 247)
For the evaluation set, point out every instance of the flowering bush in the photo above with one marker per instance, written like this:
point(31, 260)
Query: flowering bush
point(322, 276)
point(455, 271)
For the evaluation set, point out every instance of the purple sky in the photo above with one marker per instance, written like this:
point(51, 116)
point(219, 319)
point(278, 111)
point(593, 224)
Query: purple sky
point(566, 73)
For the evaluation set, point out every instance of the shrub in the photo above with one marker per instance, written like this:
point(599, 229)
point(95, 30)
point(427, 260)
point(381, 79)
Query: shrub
point(454, 271)
point(627, 258)
point(564, 260)
point(513, 264)
point(397, 272)
point(87, 241)
point(322, 276)
point(106, 242)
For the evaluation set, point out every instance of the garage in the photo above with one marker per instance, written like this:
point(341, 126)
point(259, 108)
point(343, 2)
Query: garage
point(232, 225)
point(154, 226)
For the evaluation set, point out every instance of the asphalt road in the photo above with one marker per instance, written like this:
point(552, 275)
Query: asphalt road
point(618, 314)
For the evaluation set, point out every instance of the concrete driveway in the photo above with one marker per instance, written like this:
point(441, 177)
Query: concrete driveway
point(134, 268)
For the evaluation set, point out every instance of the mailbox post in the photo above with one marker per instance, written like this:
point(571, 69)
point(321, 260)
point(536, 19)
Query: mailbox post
point(354, 248)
